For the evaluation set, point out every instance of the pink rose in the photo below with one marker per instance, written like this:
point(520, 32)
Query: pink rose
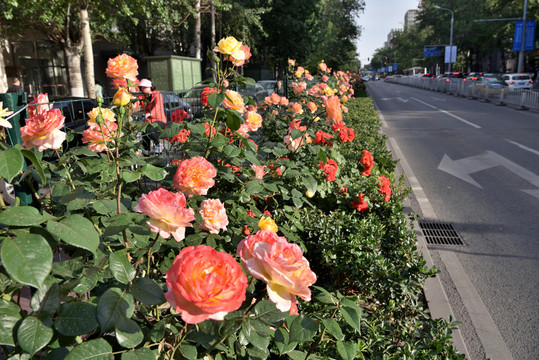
point(39, 105)
point(205, 284)
point(260, 171)
point(43, 130)
point(233, 101)
point(194, 176)
point(167, 212)
point(213, 215)
point(269, 257)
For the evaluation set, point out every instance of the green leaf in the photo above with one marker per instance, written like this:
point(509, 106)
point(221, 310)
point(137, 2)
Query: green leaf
point(153, 172)
point(333, 328)
point(296, 134)
point(254, 187)
point(21, 216)
point(47, 299)
point(267, 311)
point(346, 350)
point(140, 354)
point(249, 155)
point(189, 351)
point(310, 183)
point(301, 328)
point(280, 151)
point(121, 268)
point(76, 319)
point(128, 333)
point(108, 206)
point(256, 338)
point(322, 155)
point(33, 334)
point(27, 259)
point(215, 99)
point(158, 331)
point(352, 314)
point(98, 349)
point(232, 151)
point(9, 315)
point(75, 230)
point(171, 130)
point(148, 292)
point(11, 163)
point(219, 140)
point(282, 341)
point(197, 128)
point(114, 305)
point(120, 222)
point(233, 121)
point(131, 176)
point(297, 355)
point(30, 155)
point(77, 199)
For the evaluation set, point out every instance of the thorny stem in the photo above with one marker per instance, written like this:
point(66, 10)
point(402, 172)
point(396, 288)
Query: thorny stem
point(150, 253)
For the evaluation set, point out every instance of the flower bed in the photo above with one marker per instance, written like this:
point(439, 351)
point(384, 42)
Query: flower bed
point(276, 232)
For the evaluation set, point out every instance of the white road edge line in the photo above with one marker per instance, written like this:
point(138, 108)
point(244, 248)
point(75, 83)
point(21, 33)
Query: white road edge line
point(448, 113)
point(523, 147)
point(487, 331)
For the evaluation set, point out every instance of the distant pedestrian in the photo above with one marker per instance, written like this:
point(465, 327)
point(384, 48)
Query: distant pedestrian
point(155, 110)
point(15, 86)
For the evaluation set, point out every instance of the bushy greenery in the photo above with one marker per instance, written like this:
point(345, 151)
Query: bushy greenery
point(97, 272)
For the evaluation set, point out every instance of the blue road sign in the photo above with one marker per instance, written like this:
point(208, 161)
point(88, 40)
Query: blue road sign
point(432, 51)
point(519, 32)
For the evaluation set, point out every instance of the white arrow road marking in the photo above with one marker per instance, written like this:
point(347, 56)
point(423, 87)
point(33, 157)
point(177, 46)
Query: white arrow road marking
point(462, 168)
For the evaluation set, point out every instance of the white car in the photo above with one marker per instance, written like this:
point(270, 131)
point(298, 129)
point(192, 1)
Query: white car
point(518, 81)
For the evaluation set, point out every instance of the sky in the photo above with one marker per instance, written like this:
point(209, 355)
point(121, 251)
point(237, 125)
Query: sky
point(379, 18)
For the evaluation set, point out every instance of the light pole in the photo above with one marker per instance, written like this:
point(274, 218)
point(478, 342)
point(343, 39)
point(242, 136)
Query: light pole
point(450, 34)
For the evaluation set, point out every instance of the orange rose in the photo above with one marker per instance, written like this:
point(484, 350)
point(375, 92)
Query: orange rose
point(122, 66)
point(233, 101)
point(194, 176)
point(333, 109)
point(39, 105)
point(96, 139)
point(213, 215)
point(253, 120)
point(204, 283)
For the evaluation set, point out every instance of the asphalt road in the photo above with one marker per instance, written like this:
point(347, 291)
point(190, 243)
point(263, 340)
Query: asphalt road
point(475, 166)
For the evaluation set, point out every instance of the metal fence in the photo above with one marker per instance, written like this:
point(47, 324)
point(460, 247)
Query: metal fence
point(521, 98)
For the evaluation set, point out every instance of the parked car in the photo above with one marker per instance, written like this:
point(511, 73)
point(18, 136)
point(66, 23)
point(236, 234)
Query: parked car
point(75, 111)
point(173, 104)
point(448, 76)
point(193, 98)
point(427, 76)
point(493, 85)
point(257, 92)
point(269, 85)
point(518, 81)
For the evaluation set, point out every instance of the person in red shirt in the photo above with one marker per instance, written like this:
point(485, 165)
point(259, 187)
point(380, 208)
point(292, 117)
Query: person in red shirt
point(155, 110)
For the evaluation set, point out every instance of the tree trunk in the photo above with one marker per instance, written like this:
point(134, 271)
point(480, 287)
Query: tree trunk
point(73, 57)
point(88, 52)
point(3, 77)
point(198, 26)
point(212, 24)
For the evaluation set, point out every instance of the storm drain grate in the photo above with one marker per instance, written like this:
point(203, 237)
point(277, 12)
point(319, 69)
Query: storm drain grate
point(440, 234)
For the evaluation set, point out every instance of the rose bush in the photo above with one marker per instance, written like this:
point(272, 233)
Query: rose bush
point(129, 256)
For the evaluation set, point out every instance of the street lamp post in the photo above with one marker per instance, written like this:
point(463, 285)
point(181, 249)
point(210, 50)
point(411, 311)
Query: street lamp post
point(450, 34)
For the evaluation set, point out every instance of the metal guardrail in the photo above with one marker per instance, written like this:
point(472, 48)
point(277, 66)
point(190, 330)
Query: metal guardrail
point(521, 98)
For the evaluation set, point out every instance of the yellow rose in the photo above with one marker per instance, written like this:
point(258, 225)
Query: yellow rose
point(122, 97)
point(309, 193)
point(231, 46)
point(267, 223)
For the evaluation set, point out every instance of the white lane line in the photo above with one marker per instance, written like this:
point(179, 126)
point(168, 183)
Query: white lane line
point(448, 113)
point(523, 147)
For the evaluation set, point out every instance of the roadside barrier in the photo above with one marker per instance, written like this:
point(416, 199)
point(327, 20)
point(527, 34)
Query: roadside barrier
point(522, 99)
